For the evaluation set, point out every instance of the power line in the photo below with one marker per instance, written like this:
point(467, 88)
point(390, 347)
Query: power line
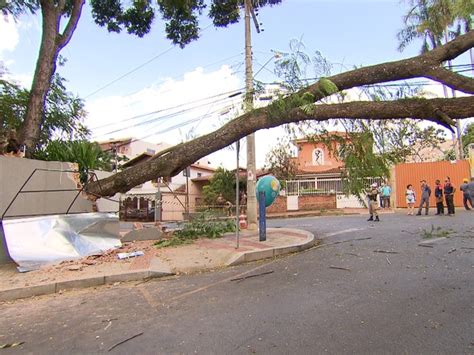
point(177, 126)
point(230, 93)
point(159, 118)
point(181, 75)
point(129, 72)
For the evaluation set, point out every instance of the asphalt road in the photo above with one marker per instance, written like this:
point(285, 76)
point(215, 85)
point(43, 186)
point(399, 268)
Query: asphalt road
point(369, 288)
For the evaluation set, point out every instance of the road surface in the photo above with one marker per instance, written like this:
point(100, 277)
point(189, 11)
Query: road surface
point(369, 288)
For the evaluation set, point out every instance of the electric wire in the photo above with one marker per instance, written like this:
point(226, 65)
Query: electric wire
point(170, 115)
point(232, 92)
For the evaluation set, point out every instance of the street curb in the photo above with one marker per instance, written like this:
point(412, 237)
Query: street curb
point(56, 287)
point(248, 256)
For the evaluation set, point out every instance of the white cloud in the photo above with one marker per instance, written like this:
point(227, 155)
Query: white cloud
point(8, 33)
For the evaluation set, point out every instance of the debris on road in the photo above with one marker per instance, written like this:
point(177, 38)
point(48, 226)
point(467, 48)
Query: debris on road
point(452, 250)
point(339, 268)
point(385, 251)
point(124, 341)
point(130, 255)
point(425, 245)
point(11, 345)
point(388, 260)
point(250, 276)
point(346, 241)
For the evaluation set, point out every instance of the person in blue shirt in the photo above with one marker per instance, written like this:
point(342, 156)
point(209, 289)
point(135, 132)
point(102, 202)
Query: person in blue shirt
point(385, 192)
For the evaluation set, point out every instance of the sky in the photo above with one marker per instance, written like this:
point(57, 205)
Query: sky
point(148, 89)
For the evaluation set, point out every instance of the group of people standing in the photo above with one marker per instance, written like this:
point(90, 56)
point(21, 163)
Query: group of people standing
point(442, 193)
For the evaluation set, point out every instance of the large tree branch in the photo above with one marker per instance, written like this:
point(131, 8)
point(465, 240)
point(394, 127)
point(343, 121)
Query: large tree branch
point(411, 68)
point(435, 110)
point(183, 155)
point(456, 81)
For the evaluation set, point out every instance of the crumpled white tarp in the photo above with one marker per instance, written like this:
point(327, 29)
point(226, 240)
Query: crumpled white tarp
point(38, 241)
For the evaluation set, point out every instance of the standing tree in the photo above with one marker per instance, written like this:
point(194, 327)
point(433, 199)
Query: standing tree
point(281, 162)
point(61, 17)
point(63, 113)
point(222, 182)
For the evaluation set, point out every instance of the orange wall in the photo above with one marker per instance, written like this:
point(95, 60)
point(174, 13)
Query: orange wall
point(305, 157)
point(412, 173)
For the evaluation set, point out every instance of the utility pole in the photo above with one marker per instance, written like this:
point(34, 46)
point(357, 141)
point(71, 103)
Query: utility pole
point(251, 169)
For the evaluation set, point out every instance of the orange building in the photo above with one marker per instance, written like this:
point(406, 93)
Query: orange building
point(316, 158)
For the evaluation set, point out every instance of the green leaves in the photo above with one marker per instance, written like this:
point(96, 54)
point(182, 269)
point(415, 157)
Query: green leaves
point(327, 87)
point(63, 111)
point(206, 225)
point(222, 182)
point(280, 160)
point(86, 154)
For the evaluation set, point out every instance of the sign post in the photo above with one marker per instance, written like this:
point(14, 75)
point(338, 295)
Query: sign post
point(262, 222)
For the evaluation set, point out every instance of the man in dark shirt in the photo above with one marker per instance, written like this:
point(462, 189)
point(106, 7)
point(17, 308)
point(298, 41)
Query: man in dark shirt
point(439, 198)
point(449, 195)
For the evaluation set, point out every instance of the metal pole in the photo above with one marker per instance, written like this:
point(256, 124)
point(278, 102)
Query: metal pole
point(237, 197)
point(262, 231)
point(158, 202)
point(188, 172)
point(251, 169)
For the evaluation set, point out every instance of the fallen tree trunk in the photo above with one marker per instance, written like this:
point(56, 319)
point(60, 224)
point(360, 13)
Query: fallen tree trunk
point(428, 65)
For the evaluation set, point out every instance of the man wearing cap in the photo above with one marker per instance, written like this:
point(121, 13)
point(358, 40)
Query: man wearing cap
point(466, 196)
point(372, 195)
point(425, 197)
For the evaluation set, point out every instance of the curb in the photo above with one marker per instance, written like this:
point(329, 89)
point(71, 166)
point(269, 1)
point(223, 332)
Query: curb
point(94, 281)
point(56, 287)
point(248, 256)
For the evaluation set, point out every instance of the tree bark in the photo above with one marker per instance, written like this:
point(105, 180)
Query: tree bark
point(441, 111)
point(51, 44)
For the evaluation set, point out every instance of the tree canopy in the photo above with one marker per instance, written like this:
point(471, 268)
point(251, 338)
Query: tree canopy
point(61, 17)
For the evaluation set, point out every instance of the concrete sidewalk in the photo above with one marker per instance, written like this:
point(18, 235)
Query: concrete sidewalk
point(203, 254)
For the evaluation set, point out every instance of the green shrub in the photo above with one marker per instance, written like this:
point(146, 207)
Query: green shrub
point(204, 226)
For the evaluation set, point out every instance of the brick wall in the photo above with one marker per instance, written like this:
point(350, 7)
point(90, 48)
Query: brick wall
point(317, 202)
point(305, 203)
point(278, 206)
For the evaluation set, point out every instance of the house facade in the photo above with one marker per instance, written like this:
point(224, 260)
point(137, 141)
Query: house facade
point(174, 195)
point(317, 158)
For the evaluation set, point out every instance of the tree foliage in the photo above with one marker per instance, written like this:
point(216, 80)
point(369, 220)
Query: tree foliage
point(222, 182)
point(435, 22)
point(63, 113)
point(88, 155)
point(280, 161)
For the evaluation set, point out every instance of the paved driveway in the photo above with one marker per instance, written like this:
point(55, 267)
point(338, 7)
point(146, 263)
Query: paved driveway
point(368, 289)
